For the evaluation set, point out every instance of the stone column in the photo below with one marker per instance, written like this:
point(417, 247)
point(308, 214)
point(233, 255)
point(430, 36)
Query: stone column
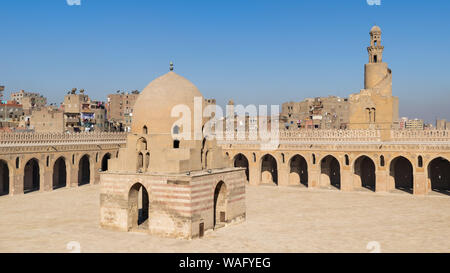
point(283, 175)
point(97, 167)
point(46, 179)
point(72, 176)
point(254, 174)
point(16, 182)
point(346, 179)
point(381, 180)
point(420, 183)
point(313, 176)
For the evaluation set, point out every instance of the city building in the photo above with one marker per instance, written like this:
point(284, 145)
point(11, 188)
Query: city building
point(47, 120)
point(442, 124)
point(415, 124)
point(120, 109)
point(402, 123)
point(319, 113)
point(2, 89)
point(29, 100)
point(83, 114)
point(11, 114)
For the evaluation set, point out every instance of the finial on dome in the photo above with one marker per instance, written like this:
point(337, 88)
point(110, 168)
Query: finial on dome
point(171, 66)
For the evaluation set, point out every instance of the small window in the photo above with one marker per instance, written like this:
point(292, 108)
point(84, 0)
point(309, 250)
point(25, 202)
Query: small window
point(176, 130)
point(176, 144)
point(48, 161)
point(382, 161)
point(314, 159)
point(420, 161)
point(347, 160)
point(17, 163)
point(145, 130)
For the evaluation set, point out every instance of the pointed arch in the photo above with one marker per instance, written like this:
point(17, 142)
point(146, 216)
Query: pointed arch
point(330, 172)
point(220, 204)
point(31, 177)
point(364, 171)
point(105, 162)
point(269, 170)
point(4, 178)
point(298, 173)
point(59, 173)
point(84, 171)
point(241, 161)
point(402, 171)
point(439, 175)
point(138, 207)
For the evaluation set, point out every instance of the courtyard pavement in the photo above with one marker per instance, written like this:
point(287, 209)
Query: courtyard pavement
point(285, 219)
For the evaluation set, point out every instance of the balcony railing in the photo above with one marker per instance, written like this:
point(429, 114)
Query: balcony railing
point(40, 139)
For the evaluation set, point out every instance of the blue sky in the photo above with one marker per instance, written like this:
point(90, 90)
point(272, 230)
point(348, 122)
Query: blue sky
point(252, 51)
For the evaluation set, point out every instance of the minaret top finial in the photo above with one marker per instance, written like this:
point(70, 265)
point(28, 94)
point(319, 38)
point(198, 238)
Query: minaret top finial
point(171, 66)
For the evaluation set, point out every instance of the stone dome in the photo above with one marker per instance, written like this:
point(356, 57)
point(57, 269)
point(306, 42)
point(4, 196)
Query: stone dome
point(154, 105)
point(375, 29)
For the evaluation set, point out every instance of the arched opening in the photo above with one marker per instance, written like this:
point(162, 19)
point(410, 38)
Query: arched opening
point(84, 171)
point(59, 174)
point(298, 171)
point(145, 130)
point(331, 171)
point(220, 205)
point(347, 160)
point(141, 144)
point(439, 175)
point(401, 170)
point(269, 170)
point(176, 130)
point(105, 160)
point(140, 161)
point(240, 161)
point(382, 163)
point(138, 207)
point(17, 163)
point(4, 178)
point(202, 155)
point(364, 170)
point(147, 160)
point(420, 161)
point(31, 178)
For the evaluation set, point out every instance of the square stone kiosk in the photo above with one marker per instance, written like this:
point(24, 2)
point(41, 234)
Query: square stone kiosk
point(164, 185)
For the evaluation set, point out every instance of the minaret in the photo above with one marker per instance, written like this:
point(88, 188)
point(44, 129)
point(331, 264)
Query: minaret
point(375, 49)
point(375, 71)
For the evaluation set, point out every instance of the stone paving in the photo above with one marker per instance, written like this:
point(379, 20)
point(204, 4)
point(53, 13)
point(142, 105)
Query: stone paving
point(285, 219)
